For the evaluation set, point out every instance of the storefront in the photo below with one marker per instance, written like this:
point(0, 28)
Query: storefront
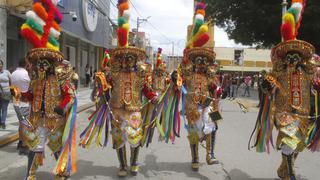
point(86, 32)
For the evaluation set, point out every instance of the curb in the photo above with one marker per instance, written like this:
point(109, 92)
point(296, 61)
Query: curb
point(14, 136)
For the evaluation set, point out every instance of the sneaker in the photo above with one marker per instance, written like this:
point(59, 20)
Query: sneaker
point(3, 126)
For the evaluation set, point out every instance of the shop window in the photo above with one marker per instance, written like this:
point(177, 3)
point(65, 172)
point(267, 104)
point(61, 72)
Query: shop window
point(238, 57)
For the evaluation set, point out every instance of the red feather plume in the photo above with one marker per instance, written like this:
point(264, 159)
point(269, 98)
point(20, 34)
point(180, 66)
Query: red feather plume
point(202, 40)
point(122, 37)
point(31, 37)
point(286, 32)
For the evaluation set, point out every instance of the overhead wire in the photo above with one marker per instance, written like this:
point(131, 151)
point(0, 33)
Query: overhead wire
point(150, 24)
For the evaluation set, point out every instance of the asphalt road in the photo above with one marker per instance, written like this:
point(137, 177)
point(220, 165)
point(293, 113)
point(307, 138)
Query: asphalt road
point(172, 161)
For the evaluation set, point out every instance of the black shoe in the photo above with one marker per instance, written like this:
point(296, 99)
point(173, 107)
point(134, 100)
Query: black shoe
point(3, 126)
point(19, 145)
point(24, 151)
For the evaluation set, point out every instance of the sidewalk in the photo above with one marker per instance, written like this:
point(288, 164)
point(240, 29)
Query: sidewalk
point(10, 134)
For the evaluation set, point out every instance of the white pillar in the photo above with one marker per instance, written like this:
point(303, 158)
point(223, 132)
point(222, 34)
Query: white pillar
point(3, 36)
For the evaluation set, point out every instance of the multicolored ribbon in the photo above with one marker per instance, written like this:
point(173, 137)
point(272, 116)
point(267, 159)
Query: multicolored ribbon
point(66, 163)
point(313, 138)
point(263, 127)
point(97, 119)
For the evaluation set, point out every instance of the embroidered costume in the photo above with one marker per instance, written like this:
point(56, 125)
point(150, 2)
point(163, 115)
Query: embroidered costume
point(198, 72)
point(51, 93)
point(128, 80)
point(286, 103)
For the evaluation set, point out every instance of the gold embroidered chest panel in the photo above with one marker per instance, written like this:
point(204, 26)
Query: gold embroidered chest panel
point(294, 93)
point(47, 92)
point(197, 86)
point(126, 91)
point(159, 81)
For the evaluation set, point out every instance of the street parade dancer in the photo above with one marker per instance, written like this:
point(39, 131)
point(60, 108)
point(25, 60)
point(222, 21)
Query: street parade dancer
point(287, 98)
point(51, 94)
point(129, 81)
point(160, 80)
point(198, 70)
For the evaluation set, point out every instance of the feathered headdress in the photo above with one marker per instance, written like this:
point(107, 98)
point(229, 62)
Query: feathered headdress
point(42, 28)
point(123, 37)
point(289, 32)
point(199, 35)
point(105, 60)
point(292, 19)
point(123, 23)
point(159, 58)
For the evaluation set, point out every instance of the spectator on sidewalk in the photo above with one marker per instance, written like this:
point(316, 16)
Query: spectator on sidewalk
point(226, 83)
point(5, 82)
point(87, 71)
point(233, 87)
point(260, 81)
point(20, 81)
point(247, 82)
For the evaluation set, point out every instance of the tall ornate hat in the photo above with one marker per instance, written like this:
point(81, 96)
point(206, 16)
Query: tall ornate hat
point(42, 30)
point(159, 63)
point(123, 36)
point(289, 32)
point(199, 37)
point(106, 59)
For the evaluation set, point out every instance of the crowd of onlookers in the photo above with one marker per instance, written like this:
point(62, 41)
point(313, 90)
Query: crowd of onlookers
point(232, 82)
point(17, 78)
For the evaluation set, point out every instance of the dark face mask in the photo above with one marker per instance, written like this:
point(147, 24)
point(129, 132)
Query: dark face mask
point(43, 68)
point(128, 63)
point(294, 59)
point(201, 64)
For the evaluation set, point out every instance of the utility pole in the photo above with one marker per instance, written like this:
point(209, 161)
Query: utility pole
point(284, 5)
point(139, 21)
point(284, 11)
point(138, 25)
point(172, 48)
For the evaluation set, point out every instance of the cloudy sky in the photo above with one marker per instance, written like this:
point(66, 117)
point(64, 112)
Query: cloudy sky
point(167, 23)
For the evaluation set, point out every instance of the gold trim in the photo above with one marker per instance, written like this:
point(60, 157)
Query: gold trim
point(120, 52)
point(194, 52)
point(304, 48)
point(44, 53)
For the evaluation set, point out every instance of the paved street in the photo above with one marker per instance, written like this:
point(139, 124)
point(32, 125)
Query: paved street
point(167, 161)
point(12, 123)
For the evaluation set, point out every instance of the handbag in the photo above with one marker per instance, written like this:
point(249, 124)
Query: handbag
point(215, 116)
point(5, 95)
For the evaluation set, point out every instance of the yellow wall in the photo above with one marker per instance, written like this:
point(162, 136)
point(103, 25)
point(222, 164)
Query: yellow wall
point(249, 63)
point(261, 64)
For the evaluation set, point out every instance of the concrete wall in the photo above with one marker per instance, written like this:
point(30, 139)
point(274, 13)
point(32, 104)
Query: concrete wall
point(3, 35)
point(253, 59)
point(100, 37)
point(226, 53)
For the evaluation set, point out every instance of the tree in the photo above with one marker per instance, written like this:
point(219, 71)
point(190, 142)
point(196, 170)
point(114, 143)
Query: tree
point(257, 22)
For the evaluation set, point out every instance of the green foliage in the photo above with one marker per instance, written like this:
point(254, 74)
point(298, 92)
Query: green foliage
point(257, 22)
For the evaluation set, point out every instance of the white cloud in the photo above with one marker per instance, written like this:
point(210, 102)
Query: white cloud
point(170, 19)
